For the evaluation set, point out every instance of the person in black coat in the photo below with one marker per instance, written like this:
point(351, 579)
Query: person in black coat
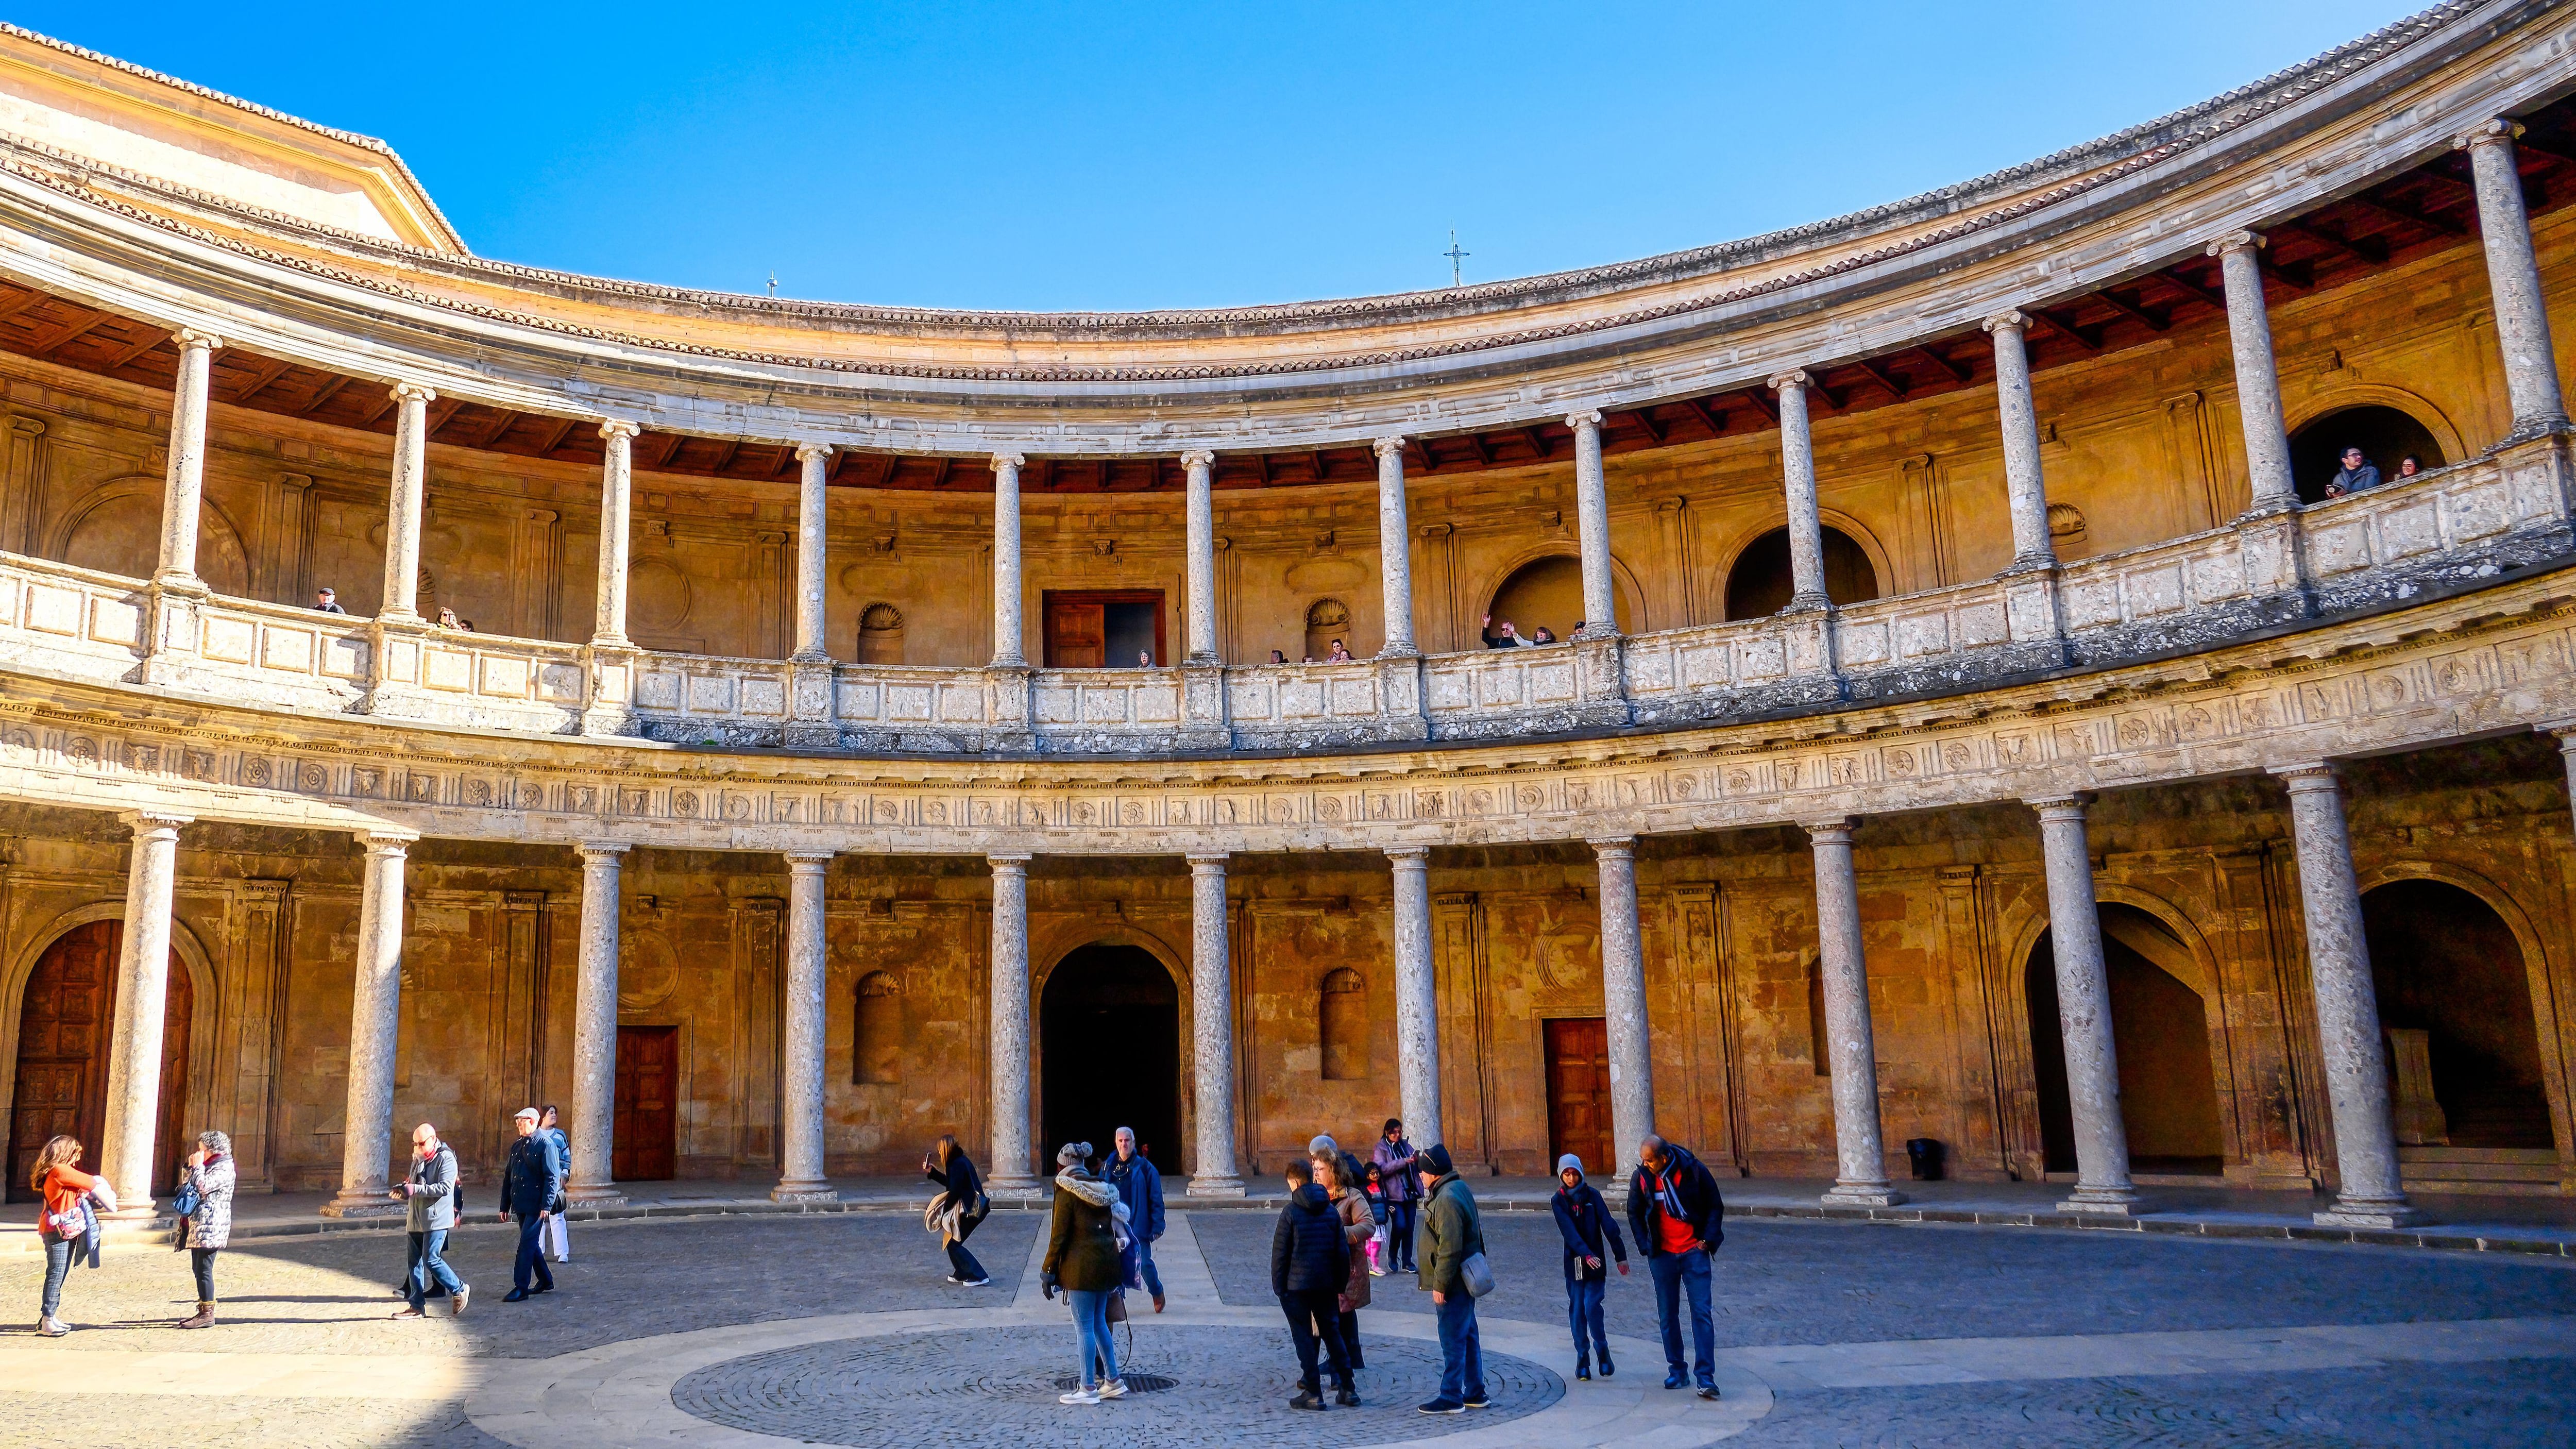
point(1679, 1218)
point(958, 1210)
point(1310, 1261)
point(1591, 1240)
point(529, 1186)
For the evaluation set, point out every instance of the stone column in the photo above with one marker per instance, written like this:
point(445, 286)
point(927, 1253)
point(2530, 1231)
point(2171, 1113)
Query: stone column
point(1623, 1000)
point(183, 489)
point(2027, 491)
point(1860, 1179)
point(1798, 472)
point(2258, 377)
point(1006, 562)
point(126, 1151)
point(1009, 1170)
point(1216, 1173)
point(1395, 551)
point(2369, 1194)
point(1200, 467)
point(375, 1031)
point(1592, 529)
point(2513, 276)
point(402, 511)
point(801, 1175)
point(813, 525)
point(594, 1031)
point(616, 544)
point(2084, 1014)
point(1417, 997)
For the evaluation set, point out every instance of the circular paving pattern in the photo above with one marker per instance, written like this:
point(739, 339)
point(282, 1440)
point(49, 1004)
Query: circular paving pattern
point(916, 1389)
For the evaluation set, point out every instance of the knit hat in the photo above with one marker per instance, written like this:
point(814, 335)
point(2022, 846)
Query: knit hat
point(1433, 1159)
point(1569, 1162)
point(1071, 1153)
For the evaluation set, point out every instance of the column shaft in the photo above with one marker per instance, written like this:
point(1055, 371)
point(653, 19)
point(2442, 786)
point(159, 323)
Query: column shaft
point(616, 509)
point(801, 1175)
point(1861, 1175)
point(2258, 376)
point(2027, 491)
point(127, 1149)
point(594, 1030)
point(183, 489)
point(2084, 1013)
point(1394, 551)
point(403, 507)
point(2370, 1194)
point(1006, 562)
point(1623, 1000)
point(1417, 997)
point(1200, 468)
point(2513, 276)
point(1010, 1167)
point(1798, 475)
point(813, 544)
point(375, 1031)
point(1592, 529)
point(1216, 1173)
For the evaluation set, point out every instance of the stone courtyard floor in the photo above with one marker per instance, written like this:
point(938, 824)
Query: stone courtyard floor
point(776, 1330)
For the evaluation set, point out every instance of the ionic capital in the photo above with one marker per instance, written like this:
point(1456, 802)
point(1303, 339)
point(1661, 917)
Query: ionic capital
point(2062, 807)
point(615, 428)
point(1793, 378)
point(155, 822)
point(389, 844)
point(2497, 132)
point(2005, 321)
point(2237, 241)
point(808, 452)
point(2308, 776)
point(604, 852)
point(1610, 847)
point(1384, 447)
point(1409, 857)
point(1206, 864)
point(413, 392)
point(191, 337)
point(1013, 461)
point(1198, 458)
point(1010, 864)
point(1836, 830)
point(1580, 421)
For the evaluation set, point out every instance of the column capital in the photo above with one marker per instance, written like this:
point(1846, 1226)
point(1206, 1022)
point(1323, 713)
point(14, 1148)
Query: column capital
point(27, 427)
point(1613, 845)
point(1011, 862)
point(187, 337)
point(1405, 856)
point(1393, 443)
point(149, 822)
point(1589, 418)
point(808, 452)
point(389, 843)
point(2495, 132)
point(1833, 830)
point(1198, 458)
point(603, 852)
point(1012, 461)
point(2237, 241)
point(413, 392)
point(1206, 864)
point(804, 861)
point(1794, 377)
point(614, 428)
point(2005, 321)
point(2062, 807)
point(2307, 776)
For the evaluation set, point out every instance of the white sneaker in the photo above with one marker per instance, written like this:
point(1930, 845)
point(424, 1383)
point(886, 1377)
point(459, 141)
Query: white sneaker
point(1079, 1396)
point(975, 1283)
point(1114, 1389)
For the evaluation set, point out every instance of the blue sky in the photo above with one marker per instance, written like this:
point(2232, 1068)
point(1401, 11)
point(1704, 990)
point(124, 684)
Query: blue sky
point(1113, 156)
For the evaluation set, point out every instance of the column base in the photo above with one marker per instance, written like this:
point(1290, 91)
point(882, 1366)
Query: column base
point(1016, 1188)
point(1204, 1185)
point(601, 1195)
point(368, 1203)
point(2383, 1216)
point(1862, 1195)
point(2103, 1202)
point(802, 1190)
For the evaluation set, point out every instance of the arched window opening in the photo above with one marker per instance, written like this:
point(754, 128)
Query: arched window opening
point(1548, 592)
point(2159, 1033)
point(1344, 1026)
point(880, 634)
point(2455, 1004)
point(1761, 583)
point(1326, 621)
point(2385, 436)
point(877, 1041)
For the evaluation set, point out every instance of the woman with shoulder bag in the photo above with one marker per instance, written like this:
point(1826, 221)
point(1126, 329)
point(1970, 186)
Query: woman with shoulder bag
point(556, 1227)
point(958, 1210)
point(205, 1205)
point(67, 1227)
point(1082, 1259)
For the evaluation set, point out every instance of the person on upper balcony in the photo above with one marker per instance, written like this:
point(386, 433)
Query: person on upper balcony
point(1505, 636)
point(1340, 654)
point(2357, 476)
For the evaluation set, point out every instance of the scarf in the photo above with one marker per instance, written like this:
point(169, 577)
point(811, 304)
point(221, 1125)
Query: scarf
point(1086, 1187)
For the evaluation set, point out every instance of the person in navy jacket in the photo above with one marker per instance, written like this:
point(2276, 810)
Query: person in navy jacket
point(1591, 1240)
point(529, 1186)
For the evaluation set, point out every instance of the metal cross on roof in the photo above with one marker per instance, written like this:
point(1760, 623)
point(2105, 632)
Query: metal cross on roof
point(1455, 256)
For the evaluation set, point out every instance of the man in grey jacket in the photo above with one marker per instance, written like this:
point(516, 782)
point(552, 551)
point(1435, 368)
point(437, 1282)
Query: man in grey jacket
point(428, 1195)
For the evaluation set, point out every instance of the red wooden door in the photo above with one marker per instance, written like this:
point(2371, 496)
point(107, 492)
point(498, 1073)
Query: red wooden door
point(1073, 631)
point(648, 1080)
point(1578, 1091)
point(64, 1025)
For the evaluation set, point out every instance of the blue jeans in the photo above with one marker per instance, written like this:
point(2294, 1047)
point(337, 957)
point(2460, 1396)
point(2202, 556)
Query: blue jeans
point(1462, 1352)
point(1675, 1272)
point(1091, 1335)
point(58, 1266)
point(429, 1260)
point(1399, 1236)
point(532, 1254)
point(1582, 1310)
point(1145, 1266)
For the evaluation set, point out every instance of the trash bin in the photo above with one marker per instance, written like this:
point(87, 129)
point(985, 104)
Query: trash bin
point(1926, 1155)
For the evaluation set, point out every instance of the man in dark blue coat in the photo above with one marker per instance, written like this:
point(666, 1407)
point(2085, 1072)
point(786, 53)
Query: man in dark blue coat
point(529, 1186)
point(1310, 1263)
point(1679, 1219)
point(1591, 1241)
point(1140, 1186)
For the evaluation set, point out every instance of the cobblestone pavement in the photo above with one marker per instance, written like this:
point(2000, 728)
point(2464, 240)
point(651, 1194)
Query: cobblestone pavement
point(1225, 1383)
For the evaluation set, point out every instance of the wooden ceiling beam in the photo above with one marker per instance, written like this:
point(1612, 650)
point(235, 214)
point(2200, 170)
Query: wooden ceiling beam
point(23, 302)
point(152, 337)
point(887, 463)
point(1884, 378)
point(1763, 399)
point(269, 371)
point(2547, 147)
point(1484, 450)
point(555, 436)
point(2400, 211)
point(947, 465)
point(2363, 252)
point(1538, 442)
point(71, 331)
point(725, 455)
point(2294, 275)
point(2189, 288)
point(500, 424)
point(441, 413)
point(1321, 465)
point(2133, 311)
point(2059, 324)
point(382, 407)
point(671, 445)
point(329, 389)
point(1646, 422)
point(1958, 372)
point(1709, 417)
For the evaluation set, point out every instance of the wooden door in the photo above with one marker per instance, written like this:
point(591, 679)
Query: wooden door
point(648, 1085)
point(1078, 627)
point(64, 1026)
point(1074, 631)
point(1578, 1091)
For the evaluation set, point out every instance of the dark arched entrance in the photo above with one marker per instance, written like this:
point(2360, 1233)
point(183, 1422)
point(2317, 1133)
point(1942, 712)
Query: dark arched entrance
point(2159, 1031)
point(1762, 584)
point(2444, 963)
point(64, 1025)
point(1548, 592)
point(1109, 1035)
point(2383, 434)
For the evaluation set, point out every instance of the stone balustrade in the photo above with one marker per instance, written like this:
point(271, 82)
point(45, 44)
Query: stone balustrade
point(2449, 529)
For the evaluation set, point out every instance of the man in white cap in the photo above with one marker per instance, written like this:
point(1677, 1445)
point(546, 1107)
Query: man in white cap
point(1591, 1240)
point(529, 1186)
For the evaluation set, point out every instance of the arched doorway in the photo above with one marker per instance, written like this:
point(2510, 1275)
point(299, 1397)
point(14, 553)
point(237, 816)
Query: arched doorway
point(2445, 964)
point(2159, 1031)
point(1549, 592)
point(2384, 435)
point(1109, 1035)
point(1761, 583)
point(64, 1025)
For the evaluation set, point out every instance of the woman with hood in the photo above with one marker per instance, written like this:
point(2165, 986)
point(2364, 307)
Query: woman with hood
point(960, 1207)
point(1583, 1220)
point(1082, 1259)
